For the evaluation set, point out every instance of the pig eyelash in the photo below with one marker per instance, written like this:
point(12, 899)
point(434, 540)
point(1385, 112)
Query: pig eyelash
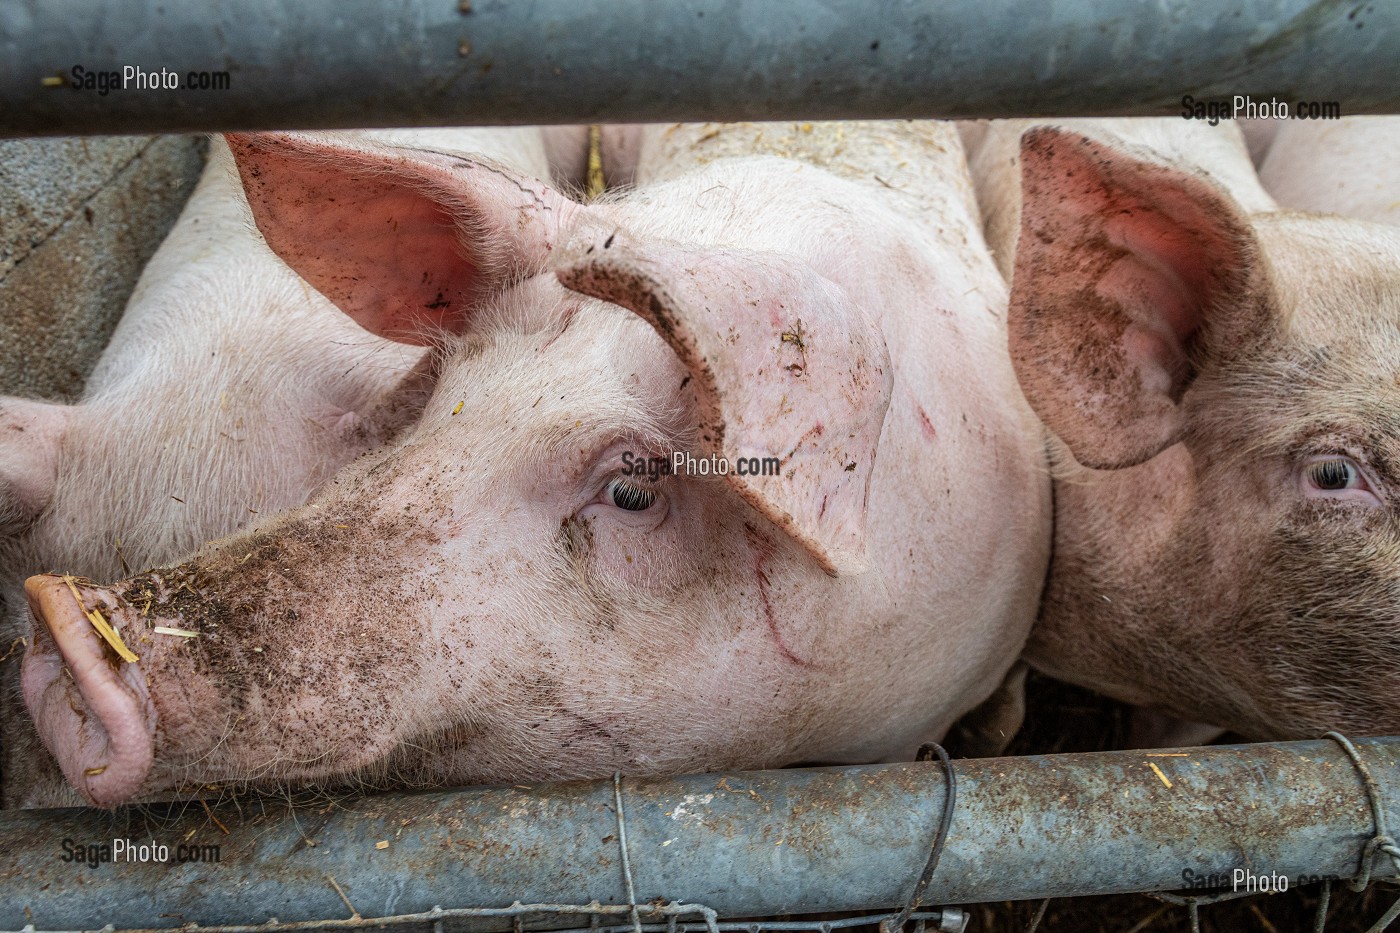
point(629, 496)
point(1336, 476)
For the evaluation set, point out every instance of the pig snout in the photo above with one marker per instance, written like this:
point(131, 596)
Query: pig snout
point(91, 707)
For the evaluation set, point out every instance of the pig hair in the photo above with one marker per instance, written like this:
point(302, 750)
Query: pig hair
point(1328, 370)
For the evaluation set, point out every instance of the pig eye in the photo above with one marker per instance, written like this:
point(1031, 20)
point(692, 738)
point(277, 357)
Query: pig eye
point(1335, 474)
point(629, 496)
point(1334, 477)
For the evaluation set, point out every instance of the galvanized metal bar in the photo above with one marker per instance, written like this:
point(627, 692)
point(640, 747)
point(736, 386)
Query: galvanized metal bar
point(755, 844)
point(441, 62)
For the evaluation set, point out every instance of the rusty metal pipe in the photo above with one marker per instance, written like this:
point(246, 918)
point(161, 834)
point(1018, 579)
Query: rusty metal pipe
point(269, 64)
point(753, 844)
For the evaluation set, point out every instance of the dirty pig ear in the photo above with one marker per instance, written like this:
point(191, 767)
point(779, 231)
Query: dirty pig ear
point(784, 364)
point(1129, 274)
point(31, 434)
point(405, 241)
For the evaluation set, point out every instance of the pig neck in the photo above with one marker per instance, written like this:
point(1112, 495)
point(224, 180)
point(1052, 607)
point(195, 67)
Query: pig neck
point(1139, 587)
point(914, 166)
point(899, 190)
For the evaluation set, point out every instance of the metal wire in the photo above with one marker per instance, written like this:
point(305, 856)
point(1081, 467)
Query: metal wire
point(1039, 915)
point(1381, 840)
point(627, 862)
point(945, 919)
point(945, 820)
point(1193, 902)
point(1320, 919)
point(1186, 900)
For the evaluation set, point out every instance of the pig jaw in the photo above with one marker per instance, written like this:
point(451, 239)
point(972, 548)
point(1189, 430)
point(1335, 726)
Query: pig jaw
point(1167, 593)
point(92, 709)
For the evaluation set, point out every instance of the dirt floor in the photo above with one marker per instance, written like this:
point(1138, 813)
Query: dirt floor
point(1062, 718)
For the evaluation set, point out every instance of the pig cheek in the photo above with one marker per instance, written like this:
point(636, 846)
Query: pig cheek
point(674, 569)
point(633, 552)
point(1319, 628)
point(181, 733)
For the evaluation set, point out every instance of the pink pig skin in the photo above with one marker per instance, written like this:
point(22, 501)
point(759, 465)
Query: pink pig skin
point(1344, 166)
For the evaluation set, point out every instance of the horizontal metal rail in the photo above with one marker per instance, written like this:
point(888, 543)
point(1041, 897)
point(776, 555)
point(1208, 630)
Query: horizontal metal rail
point(269, 64)
point(744, 845)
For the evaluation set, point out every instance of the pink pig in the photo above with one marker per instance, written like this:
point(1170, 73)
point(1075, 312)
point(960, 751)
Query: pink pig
point(1221, 377)
point(230, 390)
point(1345, 166)
point(495, 596)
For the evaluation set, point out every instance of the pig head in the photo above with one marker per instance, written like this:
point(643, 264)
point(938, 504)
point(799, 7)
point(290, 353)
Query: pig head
point(1224, 387)
point(500, 595)
point(230, 390)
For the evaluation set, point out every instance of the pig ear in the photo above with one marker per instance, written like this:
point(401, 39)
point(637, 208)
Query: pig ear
point(784, 364)
point(1129, 274)
point(405, 241)
point(31, 435)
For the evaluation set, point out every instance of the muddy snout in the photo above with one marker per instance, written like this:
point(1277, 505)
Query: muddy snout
point(85, 690)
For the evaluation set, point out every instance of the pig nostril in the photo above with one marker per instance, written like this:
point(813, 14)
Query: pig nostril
point(93, 712)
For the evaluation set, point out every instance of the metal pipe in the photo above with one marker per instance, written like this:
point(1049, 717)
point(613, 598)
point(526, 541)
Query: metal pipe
point(754, 844)
point(442, 62)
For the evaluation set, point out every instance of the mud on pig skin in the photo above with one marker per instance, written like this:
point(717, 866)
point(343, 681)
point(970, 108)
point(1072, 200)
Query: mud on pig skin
point(491, 598)
point(1226, 374)
point(230, 390)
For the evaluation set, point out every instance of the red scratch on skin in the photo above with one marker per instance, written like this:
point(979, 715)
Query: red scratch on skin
point(927, 425)
point(762, 549)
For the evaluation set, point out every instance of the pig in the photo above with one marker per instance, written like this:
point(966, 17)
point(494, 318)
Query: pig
point(1219, 377)
point(496, 595)
point(230, 389)
point(1259, 134)
point(1345, 166)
